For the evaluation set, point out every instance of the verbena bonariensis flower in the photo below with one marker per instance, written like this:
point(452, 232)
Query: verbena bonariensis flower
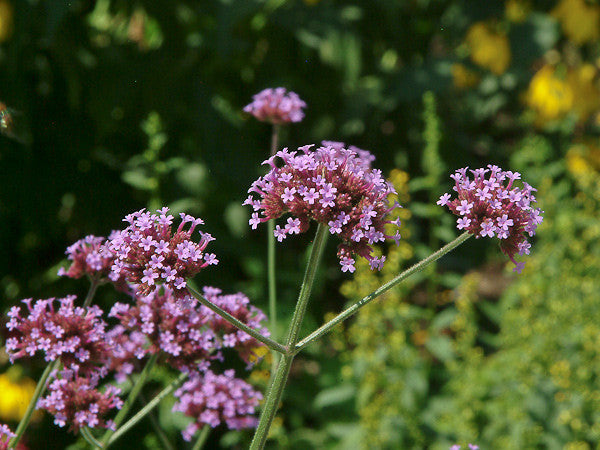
point(493, 206)
point(5, 436)
point(74, 399)
point(187, 332)
point(73, 334)
point(471, 447)
point(126, 347)
point(238, 305)
point(170, 326)
point(334, 186)
point(276, 106)
point(89, 257)
point(213, 399)
point(148, 254)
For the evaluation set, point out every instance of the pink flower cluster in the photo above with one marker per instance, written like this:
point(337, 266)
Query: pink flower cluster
point(213, 399)
point(147, 253)
point(471, 447)
point(276, 106)
point(238, 305)
point(332, 185)
point(75, 400)
point(89, 257)
point(493, 206)
point(187, 332)
point(5, 436)
point(74, 335)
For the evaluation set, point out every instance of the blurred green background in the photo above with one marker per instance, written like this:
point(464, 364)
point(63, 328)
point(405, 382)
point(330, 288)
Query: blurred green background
point(120, 105)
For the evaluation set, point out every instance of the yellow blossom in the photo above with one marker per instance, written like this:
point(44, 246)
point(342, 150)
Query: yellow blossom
point(548, 95)
point(15, 394)
point(580, 20)
point(517, 10)
point(489, 49)
point(6, 20)
point(586, 95)
point(463, 78)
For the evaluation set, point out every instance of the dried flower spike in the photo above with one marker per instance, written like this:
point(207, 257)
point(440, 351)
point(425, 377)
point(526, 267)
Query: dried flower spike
point(331, 185)
point(493, 206)
point(276, 106)
point(147, 253)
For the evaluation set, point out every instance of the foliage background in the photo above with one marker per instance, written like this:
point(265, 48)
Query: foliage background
point(123, 105)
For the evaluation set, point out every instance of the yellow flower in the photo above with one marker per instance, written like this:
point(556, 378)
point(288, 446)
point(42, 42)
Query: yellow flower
point(6, 20)
point(580, 21)
point(517, 10)
point(15, 394)
point(489, 49)
point(463, 78)
point(549, 96)
point(586, 95)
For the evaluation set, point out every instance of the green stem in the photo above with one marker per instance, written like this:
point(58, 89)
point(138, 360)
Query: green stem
point(273, 345)
point(202, 438)
point(271, 277)
point(135, 390)
point(283, 369)
point(89, 437)
point(95, 282)
point(39, 390)
point(380, 290)
point(146, 409)
point(160, 433)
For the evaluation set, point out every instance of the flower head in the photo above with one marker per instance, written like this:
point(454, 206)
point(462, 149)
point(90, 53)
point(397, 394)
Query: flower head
point(238, 305)
point(276, 106)
point(5, 436)
point(89, 257)
point(332, 185)
point(74, 335)
point(74, 399)
point(493, 206)
point(213, 399)
point(148, 254)
point(185, 331)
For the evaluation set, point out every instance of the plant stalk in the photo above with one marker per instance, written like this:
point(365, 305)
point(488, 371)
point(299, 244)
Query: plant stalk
point(271, 276)
point(202, 438)
point(146, 409)
point(135, 390)
point(380, 290)
point(283, 369)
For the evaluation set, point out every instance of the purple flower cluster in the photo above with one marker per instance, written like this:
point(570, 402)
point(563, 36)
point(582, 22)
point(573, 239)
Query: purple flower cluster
point(5, 436)
point(492, 206)
point(169, 325)
point(186, 332)
point(74, 335)
point(471, 447)
point(332, 185)
point(147, 253)
point(276, 106)
point(75, 400)
point(238, 305)
point(89, 257)
point(213, 399)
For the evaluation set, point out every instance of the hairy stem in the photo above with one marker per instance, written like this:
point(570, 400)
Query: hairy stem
point(271, 277)
point(202, 438)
